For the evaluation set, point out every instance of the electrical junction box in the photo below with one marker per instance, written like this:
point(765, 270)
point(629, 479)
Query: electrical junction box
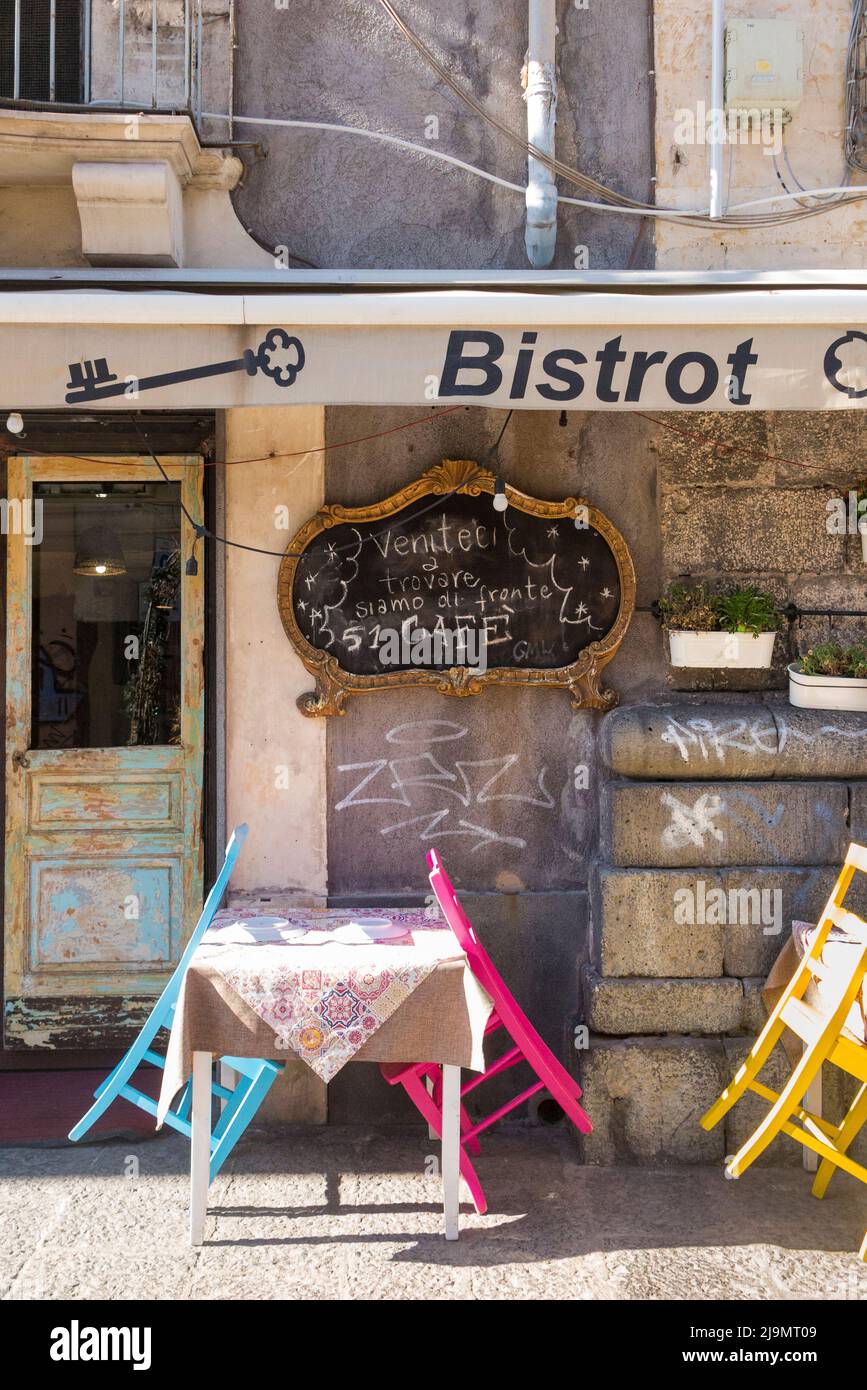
point(764, 68)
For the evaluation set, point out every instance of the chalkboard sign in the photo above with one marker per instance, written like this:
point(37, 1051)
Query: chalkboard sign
point(438, 586)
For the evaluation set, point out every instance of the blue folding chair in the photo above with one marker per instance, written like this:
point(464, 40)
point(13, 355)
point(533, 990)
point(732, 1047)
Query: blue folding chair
point(254, 1076)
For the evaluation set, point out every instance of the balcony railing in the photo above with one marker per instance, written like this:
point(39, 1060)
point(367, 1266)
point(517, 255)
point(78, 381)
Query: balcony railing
point(137, 55)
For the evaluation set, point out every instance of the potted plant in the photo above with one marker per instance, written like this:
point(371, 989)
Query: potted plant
point(830, 677)
point(730, 630)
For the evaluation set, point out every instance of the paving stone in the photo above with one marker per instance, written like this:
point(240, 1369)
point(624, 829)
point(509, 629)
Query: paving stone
point(687, 461)
point(858, 812)
point(825, 445)
point(356, 1214)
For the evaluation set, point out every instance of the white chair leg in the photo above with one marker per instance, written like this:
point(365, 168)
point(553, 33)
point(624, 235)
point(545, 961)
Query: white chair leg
point(813, 1103)
point(228, 1077)
point(200, 1146)
point(451, 1149)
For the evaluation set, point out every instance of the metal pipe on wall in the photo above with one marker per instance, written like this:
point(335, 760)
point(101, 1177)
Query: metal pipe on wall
point(154, 27)
point(200, 43)
point(541, 97)
point(233, 44)
point(121, 50)
point(717, 102)
point(86, 50)
point(16, 58)
point(188, 51)
point(52, 50)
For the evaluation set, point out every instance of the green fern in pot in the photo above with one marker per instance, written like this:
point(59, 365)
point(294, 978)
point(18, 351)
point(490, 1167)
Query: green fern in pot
point(747, 610)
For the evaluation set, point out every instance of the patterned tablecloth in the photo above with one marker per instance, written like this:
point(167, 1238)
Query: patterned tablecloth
point(316, 988)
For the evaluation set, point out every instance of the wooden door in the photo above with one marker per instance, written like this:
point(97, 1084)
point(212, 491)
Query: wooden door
point(104, 730)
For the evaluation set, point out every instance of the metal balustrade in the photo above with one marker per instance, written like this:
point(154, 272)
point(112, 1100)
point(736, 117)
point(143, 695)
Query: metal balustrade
point(138, 55)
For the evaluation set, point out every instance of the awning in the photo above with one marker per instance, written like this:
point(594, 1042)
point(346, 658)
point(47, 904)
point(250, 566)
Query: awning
point(210, 339)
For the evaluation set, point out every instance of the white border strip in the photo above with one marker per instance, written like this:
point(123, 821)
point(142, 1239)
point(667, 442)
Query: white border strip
point(438, 309)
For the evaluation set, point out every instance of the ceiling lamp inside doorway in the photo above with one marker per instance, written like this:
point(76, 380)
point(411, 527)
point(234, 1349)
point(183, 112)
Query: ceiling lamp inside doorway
point(99, 552)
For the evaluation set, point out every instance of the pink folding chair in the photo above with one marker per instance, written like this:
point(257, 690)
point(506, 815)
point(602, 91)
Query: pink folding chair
point(422, 1081)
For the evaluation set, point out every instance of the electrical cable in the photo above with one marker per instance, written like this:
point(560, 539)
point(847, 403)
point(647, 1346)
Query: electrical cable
point(725, 447)
point(574, 175)
point(494, 449)
point(274, 457)
point(204, 532)
point(684, 216)
point(799, 201)
point(856, 90)
point(847, 172)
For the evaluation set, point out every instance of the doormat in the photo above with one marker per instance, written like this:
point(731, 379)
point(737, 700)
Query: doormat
point(40, 1107)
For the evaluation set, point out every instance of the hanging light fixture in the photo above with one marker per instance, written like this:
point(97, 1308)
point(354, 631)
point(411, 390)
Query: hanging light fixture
point(99, 552)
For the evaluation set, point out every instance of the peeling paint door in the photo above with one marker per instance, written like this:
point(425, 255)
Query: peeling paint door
point(104, 720)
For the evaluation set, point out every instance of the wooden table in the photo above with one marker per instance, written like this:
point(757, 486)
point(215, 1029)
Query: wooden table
point(200, 1148)
point(440, 1017)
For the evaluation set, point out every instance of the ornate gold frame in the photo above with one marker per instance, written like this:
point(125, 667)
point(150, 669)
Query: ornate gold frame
point(334, 685)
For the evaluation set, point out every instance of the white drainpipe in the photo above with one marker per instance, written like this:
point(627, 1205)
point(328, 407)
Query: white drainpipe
point(717, 101)
point(541, 97)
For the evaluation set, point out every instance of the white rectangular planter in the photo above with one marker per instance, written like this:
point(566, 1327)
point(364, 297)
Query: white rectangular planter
point(826, 692)
point(722, 649)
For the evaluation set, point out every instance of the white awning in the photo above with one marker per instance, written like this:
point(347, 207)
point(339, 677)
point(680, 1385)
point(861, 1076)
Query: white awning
point(402, 338)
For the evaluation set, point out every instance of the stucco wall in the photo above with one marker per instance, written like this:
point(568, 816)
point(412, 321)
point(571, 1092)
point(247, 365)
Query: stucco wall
point(275, 759)
point(813, 140)
point(540, 833)
point(340, 200)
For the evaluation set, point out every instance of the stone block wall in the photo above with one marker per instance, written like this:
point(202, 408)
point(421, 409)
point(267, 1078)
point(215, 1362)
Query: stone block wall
point(759, 801)
point(744, 499)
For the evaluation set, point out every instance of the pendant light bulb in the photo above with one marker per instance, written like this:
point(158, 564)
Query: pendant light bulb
point(14, 423)
point(501, 501)
point(98, 552)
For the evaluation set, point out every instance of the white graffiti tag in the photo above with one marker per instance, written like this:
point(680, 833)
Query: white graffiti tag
point(459, 785)
point(713, 738)
point(768, 734)
point(689, 825)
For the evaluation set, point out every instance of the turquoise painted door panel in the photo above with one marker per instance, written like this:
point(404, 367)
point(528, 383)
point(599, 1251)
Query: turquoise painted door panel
point(106, 914)
point(136, 800)
point(104, 747)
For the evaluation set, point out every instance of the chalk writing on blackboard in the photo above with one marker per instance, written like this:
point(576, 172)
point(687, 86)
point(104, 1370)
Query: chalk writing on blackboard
point(433, 586)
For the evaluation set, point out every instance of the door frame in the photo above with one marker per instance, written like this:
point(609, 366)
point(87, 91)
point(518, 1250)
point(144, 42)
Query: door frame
point(23, 471)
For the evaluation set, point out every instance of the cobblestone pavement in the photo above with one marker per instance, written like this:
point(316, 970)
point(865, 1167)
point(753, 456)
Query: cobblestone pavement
point(347, 1213)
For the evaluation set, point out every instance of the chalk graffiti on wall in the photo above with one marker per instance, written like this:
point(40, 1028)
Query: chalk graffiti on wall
point(446, 793)
point(711, 818)
point(691, 825)
point(698, 823)
point(766, 734)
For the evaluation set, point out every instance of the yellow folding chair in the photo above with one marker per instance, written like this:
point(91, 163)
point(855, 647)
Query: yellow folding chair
point(825, 1039)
